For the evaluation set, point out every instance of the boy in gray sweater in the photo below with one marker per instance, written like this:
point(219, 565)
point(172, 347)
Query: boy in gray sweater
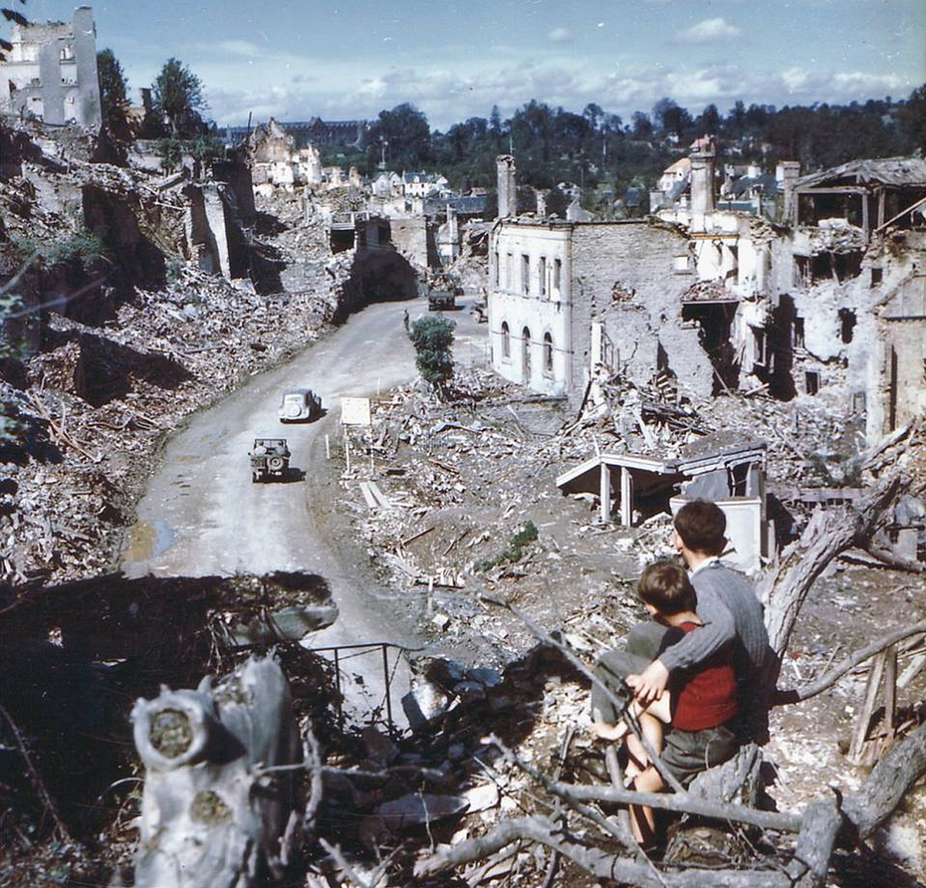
point(729, 610)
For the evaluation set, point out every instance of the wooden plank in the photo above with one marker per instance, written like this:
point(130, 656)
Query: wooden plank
point(856, 747)
point(890, 690)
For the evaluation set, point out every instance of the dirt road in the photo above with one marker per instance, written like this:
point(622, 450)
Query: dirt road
point(202, 516)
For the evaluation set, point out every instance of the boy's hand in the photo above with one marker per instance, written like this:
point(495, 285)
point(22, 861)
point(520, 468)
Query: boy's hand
point(650, 684)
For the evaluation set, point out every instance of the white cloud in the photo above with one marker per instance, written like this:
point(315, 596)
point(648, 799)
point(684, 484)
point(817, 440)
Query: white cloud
point(714, 30)
point(560, 35)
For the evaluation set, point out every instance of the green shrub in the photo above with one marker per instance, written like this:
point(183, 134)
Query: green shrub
point(515, 551)
point(83, 248)
point(433, 341)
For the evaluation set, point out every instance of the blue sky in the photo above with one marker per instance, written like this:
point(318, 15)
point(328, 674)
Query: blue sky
point(456, 59)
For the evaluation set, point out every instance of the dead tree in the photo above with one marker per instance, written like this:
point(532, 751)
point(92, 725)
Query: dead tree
point(218, 809)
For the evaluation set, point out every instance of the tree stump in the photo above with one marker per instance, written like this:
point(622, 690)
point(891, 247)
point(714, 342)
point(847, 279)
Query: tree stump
point(214, 813)
point(698, 840)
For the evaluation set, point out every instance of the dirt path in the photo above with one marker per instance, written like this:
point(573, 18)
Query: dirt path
point(201, 515)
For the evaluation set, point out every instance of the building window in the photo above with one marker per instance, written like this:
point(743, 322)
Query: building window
point(525, 274)
point(557, 274)
point(547, 354)
point(67, 52)
point(812, 381)
point(877, 275)
point(846, 324)
point(506, 340)
point(542, 275)
point(526, 355)
point(497, 270)
point(509, 272)
point(798, 332)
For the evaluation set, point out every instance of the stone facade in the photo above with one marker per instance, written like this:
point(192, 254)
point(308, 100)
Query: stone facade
point(51, 72)
point(566, 297)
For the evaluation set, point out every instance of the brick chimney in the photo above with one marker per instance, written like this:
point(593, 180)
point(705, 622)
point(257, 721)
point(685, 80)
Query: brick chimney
point(507, 187)
point(786, 174)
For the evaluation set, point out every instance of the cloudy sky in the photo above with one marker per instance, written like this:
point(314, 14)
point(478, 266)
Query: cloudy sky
point(456, 59)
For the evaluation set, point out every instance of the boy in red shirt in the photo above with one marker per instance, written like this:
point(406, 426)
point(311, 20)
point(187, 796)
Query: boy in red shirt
point(691, 722)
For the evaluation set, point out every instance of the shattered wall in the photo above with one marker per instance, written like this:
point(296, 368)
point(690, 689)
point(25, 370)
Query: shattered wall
point(52, 72)
point(414, 239)
point(625, 277)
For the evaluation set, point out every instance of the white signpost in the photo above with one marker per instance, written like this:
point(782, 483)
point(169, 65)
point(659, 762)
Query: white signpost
point(355, 411)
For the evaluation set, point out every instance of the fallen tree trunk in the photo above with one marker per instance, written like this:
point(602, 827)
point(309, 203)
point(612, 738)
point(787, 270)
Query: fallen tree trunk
point(784, 587)
point(823, 823)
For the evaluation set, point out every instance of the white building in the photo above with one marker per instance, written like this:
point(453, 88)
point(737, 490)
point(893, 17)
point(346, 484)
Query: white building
point(51, 72)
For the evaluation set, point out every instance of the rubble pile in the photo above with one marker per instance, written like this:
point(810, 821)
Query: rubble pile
point(100, 388)
point(99, 402)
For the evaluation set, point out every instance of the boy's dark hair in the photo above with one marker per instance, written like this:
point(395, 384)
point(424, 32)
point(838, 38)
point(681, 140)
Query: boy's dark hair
point(702, 526)
point(665, 585)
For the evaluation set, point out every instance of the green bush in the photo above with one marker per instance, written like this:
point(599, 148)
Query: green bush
point(515, 551)
point(433, 341)
point(83, 248)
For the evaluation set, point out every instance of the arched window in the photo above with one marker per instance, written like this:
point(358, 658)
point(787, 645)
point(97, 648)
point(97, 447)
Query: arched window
point(526, 354)
point(506, 341)
point(548, 354)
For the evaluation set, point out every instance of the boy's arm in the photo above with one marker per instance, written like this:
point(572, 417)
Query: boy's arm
point(694, 648)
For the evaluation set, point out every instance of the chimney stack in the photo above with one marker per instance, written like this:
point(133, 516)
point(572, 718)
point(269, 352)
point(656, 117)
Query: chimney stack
point(786, 174)
point(541, 203)
point(702, 181)
point(507, 187)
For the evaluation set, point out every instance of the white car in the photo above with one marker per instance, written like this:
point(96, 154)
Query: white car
point(300, 405)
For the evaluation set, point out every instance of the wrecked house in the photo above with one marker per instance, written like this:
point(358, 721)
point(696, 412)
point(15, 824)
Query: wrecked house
point(730, 473)
point(849, 283)
point(51, 72)
point(277, 161)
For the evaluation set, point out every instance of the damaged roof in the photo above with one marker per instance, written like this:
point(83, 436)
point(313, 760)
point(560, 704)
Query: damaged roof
point(898, 171)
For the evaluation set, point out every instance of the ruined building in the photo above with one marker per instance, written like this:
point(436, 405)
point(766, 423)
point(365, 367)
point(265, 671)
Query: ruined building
point(51, 72)
point(834, 299)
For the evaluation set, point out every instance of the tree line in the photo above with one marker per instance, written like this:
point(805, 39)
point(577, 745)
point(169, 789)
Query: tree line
point(594, 149)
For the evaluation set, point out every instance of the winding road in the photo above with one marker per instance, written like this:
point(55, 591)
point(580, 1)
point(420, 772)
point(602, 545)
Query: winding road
point(202, 516)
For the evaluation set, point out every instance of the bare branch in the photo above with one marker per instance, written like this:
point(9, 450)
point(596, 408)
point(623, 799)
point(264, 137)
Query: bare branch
point(781, 821)
point(796, 695)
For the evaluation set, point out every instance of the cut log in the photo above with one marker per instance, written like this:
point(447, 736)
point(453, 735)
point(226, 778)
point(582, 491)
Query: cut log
point(213, 811)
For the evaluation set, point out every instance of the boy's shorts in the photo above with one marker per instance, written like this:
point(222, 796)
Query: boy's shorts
point(687, 753)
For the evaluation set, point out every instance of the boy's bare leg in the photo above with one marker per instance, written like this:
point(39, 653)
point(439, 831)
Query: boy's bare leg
point(642, 818)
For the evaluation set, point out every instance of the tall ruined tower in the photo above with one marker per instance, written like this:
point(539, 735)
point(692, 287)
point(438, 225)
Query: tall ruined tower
point(507, 187)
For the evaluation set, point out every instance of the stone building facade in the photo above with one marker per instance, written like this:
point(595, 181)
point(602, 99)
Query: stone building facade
point(565, 297)
point(51, 72)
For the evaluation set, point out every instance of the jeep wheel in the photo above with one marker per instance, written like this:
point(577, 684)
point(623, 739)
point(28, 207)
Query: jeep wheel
point(255, 477)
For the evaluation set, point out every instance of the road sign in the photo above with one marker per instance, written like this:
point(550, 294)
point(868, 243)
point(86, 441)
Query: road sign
point(355, 411)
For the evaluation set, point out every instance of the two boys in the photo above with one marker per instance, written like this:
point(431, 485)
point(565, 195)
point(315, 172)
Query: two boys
point(707, 643)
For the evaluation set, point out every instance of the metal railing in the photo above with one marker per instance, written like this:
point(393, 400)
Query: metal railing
point(381, 647)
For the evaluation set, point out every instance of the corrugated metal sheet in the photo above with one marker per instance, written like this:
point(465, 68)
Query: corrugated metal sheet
point(896, 171)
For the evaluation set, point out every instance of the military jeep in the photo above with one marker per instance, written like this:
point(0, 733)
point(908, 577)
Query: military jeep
point(269, 458)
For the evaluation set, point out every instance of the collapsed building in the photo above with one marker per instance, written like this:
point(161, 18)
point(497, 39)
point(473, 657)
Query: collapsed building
point(51, 72)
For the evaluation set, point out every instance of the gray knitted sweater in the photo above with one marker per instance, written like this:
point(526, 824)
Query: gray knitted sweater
point(731, 612)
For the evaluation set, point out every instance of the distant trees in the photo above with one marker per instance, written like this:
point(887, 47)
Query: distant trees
point(113, 93)
point(178, 96)
point(403, 133)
